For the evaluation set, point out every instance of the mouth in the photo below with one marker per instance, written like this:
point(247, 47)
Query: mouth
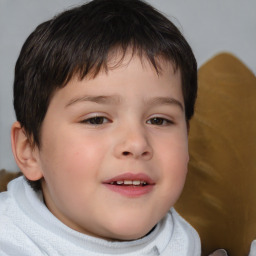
point(130, 185)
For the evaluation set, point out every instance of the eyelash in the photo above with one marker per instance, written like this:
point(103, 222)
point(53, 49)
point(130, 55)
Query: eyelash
point(100, 120)
point(96, 120)
point(163, 121)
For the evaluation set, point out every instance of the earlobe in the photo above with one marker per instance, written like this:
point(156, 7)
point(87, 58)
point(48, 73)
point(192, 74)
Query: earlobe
point(25, 154)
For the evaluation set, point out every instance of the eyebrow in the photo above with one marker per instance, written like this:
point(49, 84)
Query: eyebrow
point(97, 99)
point(165, 101)
point(114, 100)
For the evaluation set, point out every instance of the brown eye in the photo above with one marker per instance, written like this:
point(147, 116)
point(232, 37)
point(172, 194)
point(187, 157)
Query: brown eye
point(159, 121)
point(97, 120)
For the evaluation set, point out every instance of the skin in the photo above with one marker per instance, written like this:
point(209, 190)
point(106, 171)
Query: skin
point(140, 127)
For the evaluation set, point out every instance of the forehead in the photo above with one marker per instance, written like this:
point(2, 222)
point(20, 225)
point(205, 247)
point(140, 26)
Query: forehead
point(123, 69)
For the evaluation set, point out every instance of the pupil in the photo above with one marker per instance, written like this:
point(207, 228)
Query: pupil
point(157, 121)
point(97, 120)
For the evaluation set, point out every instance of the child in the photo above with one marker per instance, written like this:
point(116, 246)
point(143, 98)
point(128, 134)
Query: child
point(103, 95)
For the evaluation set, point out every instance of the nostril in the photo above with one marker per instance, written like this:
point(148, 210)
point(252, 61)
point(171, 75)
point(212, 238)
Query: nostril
point(127, 153)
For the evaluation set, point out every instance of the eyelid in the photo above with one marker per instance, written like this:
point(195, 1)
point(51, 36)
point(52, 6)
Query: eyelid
point(87, 118)
point(168, 120)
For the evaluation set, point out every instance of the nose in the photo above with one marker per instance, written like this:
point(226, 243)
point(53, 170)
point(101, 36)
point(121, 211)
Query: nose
point(133, 143)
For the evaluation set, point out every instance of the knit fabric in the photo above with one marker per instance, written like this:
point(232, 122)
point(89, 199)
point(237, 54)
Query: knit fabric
point(253, 248)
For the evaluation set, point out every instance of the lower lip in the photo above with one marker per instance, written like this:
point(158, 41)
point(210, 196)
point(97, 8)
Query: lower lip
point(131, 191)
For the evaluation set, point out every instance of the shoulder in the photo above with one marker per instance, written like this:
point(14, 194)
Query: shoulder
point(14, 224)
point(182, 230)
point(9, 231)
point(7, 197)
point(5, 203)
point(10, 211)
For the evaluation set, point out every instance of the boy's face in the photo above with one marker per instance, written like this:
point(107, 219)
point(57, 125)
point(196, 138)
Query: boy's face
point(114, 150)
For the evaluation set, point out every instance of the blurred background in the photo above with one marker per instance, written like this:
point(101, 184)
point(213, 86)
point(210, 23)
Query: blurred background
point(210, 26)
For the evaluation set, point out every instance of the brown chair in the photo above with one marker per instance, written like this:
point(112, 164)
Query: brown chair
point(219, 198)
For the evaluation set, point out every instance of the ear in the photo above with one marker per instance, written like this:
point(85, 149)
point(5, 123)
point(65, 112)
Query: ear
point(25, 154)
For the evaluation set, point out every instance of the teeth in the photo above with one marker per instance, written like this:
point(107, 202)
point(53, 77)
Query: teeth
point(129, 182)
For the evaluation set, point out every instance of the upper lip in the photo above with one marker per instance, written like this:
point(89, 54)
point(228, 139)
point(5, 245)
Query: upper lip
point(131, 176)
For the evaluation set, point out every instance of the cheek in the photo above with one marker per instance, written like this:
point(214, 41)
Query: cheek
point(71, 164)
point(176, 169)
point(71, 150)
point(174, 158)
point(73, 161)
point(174, 151)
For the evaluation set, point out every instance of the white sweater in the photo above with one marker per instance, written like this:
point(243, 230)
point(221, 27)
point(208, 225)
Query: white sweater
point(28, 228)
